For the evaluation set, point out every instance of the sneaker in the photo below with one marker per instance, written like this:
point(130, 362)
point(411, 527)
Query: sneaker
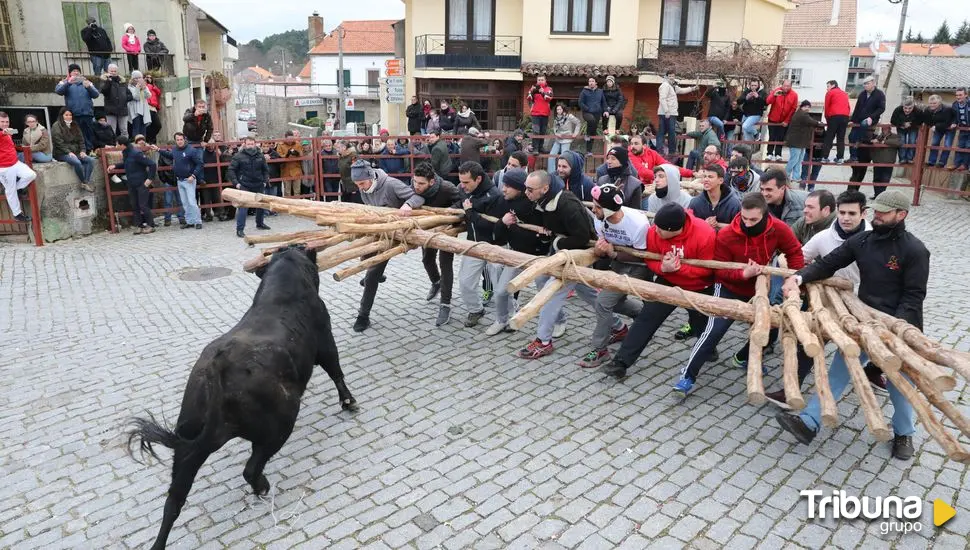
point(595, 358)
point(794, 425)
point(684, 333)
point(263, 227)
point(486, 297)
point(903, 447)
point(115, 179)
point(147, 230)
point(361, 324)
point(777, 398)
point(618, 335)
point(444, 315)
point(198, 226)
point(22, 217)
point(168, 223)
point(684, 386)
point(435, 288)
point(615, 368)
point(473, 318)
point(840, 161)
point(876, 379)
point(185, 225)
point(738, 362)
point(558, 330)
point(535, 350)
point(87, 187)
point(239, 232)
point(496, 328)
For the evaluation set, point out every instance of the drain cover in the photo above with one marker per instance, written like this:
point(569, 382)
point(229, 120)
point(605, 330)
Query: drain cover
point(203, 273)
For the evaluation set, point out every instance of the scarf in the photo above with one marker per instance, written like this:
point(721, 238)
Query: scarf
point(843, 234)
point(757, 228)
point(432, 189)
point(661, 192)
point(617, 172)
point(131, 37)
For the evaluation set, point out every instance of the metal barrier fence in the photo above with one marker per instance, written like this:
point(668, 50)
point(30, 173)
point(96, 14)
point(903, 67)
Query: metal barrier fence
point(20, 228)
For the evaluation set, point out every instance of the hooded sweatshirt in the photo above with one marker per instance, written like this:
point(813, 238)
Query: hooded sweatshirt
point(564, 215)
point(733, 245)
point(390, 192)
point(483, 199)
point(647, 160)
point(826, 241)
point(632, 187)
point(578, 182)
point(695, 242)
point(724, 211)
point(674, 192)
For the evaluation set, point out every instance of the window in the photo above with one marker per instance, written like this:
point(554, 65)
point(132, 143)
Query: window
point(795, 75)
point(853, 62)
point(76, 18)
point(346, 79)
point(373, 81)
point(581, 16)
point(6, 38)
point(684, 23)
point(471, 20)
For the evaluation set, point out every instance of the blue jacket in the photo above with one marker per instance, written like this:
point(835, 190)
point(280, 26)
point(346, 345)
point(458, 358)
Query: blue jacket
point(186, 162)
point(725, 211)
point(578, 182)
point(592, 101)
point(138, 167)
point(78, 99)
point(395, 166)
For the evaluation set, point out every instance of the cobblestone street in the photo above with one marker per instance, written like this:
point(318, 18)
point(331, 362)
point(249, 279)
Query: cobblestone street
point(458, 443)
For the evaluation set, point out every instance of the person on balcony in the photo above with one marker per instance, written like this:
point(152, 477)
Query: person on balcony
point(14, 174)
point(784, 102)
point(415, 116)
point(99, 45)
point(667, 111)
point(752, 105)
point(69, 147)
point(154, 50)
point(132, 46)
point(465, 120)
point(79, 95)
point(446, 118)
point(116, 98)
point(592, 103)
point(38, 139)
point(615, 103)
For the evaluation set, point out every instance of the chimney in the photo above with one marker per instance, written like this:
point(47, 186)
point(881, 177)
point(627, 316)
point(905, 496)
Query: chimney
point(836, 8)
point(314, 31)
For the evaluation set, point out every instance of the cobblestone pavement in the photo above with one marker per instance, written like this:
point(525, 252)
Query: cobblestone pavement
point(458, 443)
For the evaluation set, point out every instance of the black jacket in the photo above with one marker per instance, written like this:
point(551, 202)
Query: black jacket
point(211, 174)
point(463, 123)
point(446, 119)
point(331, 166)
point(195, 131)
point(518, 239)
point(869, 106)
point(96, 39)
point(615, 100)
point(755, 106)
point(138, 167)
point(274, 167)
point(941, 119)
point(415, 114)
point(441, 194)
point(564, 214)
point(104, 136)
point(914, 118)
point(894, 269)
point(441, 159)
point(720, 104)
point(116, 96)
point(249, 170)
point(483, 198)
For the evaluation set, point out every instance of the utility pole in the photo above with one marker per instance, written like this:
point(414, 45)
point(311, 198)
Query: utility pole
point(341, 112)
point(899, 41)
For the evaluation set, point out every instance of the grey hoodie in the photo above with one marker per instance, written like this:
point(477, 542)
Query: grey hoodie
point(390, 192)
point(674, 193)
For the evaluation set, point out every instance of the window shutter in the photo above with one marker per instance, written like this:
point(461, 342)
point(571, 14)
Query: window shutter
point(104, 19)
point(71, 28)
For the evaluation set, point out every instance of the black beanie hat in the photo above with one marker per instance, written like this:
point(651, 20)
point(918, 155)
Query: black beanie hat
point(72, 67)
point(515, 178)
point(620, 154)
point(670, 217)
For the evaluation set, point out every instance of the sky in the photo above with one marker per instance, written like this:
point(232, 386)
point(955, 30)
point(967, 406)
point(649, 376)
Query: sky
point(248, 19)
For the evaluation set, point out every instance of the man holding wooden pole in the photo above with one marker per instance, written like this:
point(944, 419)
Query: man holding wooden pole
point(894, 267)
point(476, 196)
point(437, 192)
point(378, 189)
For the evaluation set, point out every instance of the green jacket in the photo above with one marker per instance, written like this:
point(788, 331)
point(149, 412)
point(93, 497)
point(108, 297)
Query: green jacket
point(66, 140)
point(346, 182)
point(704, 139)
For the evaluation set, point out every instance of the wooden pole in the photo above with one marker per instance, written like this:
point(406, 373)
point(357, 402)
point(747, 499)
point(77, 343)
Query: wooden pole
point(539, 266)
point(284, 237)
point(830, 413)
point(425, 222)
point(792, 310)
point(957, 360)
point(870, 409)
point(358, 248)
point(864, 334)
point(829, 326)
point(929, 420)
point(383, 257)
point(938, 400)
point(756, 384)
point(536, 304)
point(762, 314)
point(793, 393)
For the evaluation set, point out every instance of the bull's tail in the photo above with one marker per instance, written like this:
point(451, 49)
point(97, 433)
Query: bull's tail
point(147, 431)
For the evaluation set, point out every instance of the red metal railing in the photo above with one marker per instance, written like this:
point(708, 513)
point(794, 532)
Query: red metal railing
point(21, 228)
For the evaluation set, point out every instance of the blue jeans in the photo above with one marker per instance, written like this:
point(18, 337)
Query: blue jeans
point(556, 150)
point(794, 167)
point(87, 130)
point(171, 199)
point(99, 64)
point(855, 136)
point(187, 194)
point(903, 415)
point(907, 137)
point(718, 124)
point(947, 139)
point(693, 158)
point(749, 128)
point(83, 166)
point(668, 128)
point(35, 157)
point(812, 176)
point(241, 214)
point(963, 159)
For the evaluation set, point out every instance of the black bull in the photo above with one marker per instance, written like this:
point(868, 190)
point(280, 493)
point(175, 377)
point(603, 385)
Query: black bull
point(248, 382)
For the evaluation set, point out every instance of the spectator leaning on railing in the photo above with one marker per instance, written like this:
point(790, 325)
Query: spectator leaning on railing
point(961, 107)
point(14, 175)
point(942, 121)
point(907, 118)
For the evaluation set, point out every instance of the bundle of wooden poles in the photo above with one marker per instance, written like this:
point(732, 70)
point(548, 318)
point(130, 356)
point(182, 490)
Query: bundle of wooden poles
point(351, 232)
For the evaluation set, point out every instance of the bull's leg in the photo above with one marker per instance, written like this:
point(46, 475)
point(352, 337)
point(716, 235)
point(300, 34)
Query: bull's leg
point(329, 359)
point(262, 452)
point(185, 466)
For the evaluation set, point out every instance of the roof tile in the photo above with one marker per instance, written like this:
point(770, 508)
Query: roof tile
point(931, 72)
point(808, 25)
point(375, 36)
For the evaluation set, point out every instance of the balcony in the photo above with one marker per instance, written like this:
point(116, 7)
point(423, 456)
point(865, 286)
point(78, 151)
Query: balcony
point(437, 51)
point(715, 59)
point(20, 63)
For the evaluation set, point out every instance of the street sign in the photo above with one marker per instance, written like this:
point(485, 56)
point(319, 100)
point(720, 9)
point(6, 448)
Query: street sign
point(394, 72)
point(395, 90)
point(349, 103)
point(395, 63)
point(394, 98)
point(307, 101)
point(394, 81)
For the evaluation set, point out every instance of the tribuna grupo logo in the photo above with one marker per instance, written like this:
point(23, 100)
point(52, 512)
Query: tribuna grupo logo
point(898, 514)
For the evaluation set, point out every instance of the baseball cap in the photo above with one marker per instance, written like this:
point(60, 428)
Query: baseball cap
point(890, 200)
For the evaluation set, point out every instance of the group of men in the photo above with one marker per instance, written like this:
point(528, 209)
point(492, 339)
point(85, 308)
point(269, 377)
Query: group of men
point(750, 225)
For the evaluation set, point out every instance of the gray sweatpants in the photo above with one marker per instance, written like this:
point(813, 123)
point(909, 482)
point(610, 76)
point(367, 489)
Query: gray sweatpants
point(610, 302)
point(470, 283)
point(552, 312)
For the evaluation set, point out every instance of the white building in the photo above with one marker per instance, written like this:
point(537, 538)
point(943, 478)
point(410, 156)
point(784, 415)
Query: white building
point(818, 36)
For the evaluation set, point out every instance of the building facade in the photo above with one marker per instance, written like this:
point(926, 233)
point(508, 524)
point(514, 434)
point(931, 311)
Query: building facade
point(818, 36)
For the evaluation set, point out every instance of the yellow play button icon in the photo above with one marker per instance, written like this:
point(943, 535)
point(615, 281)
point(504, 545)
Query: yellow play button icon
point(942, 512)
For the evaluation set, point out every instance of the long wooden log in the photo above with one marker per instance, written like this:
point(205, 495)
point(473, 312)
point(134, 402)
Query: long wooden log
point(789, 345)
point(829, 326)
point(539, 266)
point(762, 314)
point(938, 400)
point(755, 382)
point(830, 412)
point(283, 237)
point(251, 266)
point(425, 222)
point(358, 248)
point(959, 361)
point(536, 304)
point(384, 256)
point(929, 420)
point(799, 326)
point(930, 371)
point(864, 334)
point(870, 408)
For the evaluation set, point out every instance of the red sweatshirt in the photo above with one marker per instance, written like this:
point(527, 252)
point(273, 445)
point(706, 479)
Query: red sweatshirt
point(782, 106)
point(644, 163)
point(540, 101)
point(836, 103)
point(8, 153)
point(696, 242)
point(734, 246)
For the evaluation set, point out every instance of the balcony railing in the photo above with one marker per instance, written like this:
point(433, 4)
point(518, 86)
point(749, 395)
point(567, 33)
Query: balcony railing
point(53, 63)
point(437, 51)
point(710, 58)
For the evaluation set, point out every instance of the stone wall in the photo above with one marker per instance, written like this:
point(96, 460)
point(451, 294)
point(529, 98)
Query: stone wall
point(274, 113)
point(66, 210)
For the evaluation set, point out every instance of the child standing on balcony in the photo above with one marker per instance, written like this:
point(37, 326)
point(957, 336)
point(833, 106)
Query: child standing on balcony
point(132, 46)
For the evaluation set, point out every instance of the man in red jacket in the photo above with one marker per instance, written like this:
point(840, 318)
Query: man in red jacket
point(643, 159)
point(540, 97)
point(753, 238)
point(836, 113)
point(14, 175)
point(676, 235)
point(784, 103)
